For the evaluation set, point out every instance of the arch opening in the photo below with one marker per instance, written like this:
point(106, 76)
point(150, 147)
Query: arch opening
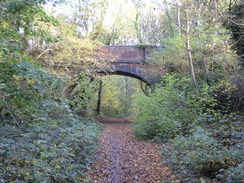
point(117, 95)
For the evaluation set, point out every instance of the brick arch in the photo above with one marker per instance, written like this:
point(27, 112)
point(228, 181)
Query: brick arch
point(128, 60)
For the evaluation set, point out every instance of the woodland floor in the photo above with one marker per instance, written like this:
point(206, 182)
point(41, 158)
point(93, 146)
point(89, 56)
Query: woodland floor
point(125, 159)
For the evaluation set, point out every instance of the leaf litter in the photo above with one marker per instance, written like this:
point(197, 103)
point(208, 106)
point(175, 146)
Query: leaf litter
point(125, 159)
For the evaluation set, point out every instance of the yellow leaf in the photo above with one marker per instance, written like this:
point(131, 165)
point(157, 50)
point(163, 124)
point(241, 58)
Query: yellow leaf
point(202, 180)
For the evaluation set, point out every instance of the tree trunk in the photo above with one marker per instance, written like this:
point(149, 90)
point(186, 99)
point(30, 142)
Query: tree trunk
point(188, 49)
point(99, 98)
point(169, 19)
point(138, 29)
point(205, 68)
point(178, 18)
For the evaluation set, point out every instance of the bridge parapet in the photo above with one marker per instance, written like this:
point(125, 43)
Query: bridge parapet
point(129, 54)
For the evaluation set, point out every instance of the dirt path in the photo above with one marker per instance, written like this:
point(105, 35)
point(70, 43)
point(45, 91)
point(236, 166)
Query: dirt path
point(124, 159)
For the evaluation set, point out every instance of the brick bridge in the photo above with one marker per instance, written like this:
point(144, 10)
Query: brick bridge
point(129, 60)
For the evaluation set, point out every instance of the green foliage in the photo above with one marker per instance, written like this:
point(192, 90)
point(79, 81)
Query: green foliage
point(229, 97)
point(234, 23)
point(193, 120)
point(18, 17)
point(50, 150)
point(213, 58)
point(165, 113)
point(234, 174)
point(118, 95)
point(151, 122)
point(25, 89)
point(41, 140)
point(70, 49)
point(200, 153)
point(83, 94)
point(172, 62)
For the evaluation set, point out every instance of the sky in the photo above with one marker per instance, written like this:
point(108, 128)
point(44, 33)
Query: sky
point(126, 9)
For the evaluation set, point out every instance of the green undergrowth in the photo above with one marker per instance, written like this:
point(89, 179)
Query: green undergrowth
point(50, 151)
point(41, 139)
point(201, 154)
point(204, 137)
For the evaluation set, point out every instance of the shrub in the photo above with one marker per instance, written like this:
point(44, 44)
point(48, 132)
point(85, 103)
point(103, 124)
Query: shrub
point(28, 90)
point(49, 151)
point(202, 154)
point(41, 140)
point(234, 174)
point(174, 107)
point(230, 96)
point(81, 94)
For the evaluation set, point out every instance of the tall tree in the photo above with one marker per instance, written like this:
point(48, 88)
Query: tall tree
point(188, 48)
point(235, 22)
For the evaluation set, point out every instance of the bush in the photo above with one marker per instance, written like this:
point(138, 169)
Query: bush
point(203, 155)
point(81, 94)
point(230, 97)
point(151, 124)
point(28, 90)
point(206, 141)
point(174, 107)
point(234, 174)
point(41, 140)
point(50, 151)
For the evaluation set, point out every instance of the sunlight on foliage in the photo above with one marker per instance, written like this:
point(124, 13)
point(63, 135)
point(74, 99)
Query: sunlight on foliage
point(118, 95)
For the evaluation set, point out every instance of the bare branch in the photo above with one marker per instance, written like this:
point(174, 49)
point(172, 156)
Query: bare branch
point(45, 52)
